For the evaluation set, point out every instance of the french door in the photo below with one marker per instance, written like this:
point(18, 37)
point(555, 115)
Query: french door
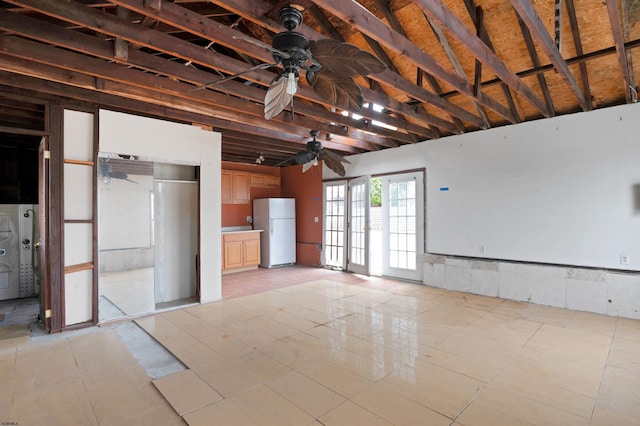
point(346, 225)
point(335, 224)
point(358, 221)
point(402, 216)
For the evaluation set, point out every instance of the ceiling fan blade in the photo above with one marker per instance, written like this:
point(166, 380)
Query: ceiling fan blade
point(236, 75)
point(345, 59)
point(338, 90)
point(334, 161)
point(333, 155)
point(309, 165)
point(277, 97)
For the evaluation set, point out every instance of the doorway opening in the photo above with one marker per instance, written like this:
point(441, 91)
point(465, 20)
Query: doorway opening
point(147, 236)
point(19, 234)
point(375, 226)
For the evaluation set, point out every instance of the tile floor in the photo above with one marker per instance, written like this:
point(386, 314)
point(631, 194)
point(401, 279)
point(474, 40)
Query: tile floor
point(338, 349)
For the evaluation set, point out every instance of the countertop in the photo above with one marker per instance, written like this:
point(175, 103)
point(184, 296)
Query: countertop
point(242, 231)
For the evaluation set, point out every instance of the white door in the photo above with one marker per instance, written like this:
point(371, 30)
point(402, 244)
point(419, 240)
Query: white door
point(335, 224)
point(403, 225)
point(176, 239)
point(359, 225)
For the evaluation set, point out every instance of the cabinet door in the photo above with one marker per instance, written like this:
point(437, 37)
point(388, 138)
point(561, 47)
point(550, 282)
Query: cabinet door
point(232, 254)
point(273, 180)
point(258, 180)
point(251, 250)
point(226, 188)
point(241, 188)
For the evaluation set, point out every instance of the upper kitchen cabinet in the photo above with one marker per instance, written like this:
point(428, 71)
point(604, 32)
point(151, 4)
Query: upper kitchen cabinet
point(235, 187)
point(264, 180)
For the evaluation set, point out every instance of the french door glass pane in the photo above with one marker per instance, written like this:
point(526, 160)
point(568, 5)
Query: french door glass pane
point(334, 200)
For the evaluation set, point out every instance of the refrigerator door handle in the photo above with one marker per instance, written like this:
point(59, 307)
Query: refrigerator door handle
point(271, 226)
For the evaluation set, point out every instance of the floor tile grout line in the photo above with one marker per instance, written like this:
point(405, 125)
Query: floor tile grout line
point(604, 369)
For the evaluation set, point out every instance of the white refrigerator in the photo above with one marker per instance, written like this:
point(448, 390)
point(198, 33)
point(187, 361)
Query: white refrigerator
point(277, 218)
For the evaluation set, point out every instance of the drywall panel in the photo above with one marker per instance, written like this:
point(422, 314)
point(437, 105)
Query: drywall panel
point(168, 142)
point(78, 292)
point(78, 192)
point(563, 190)
point(78, 243)
point(78, 135)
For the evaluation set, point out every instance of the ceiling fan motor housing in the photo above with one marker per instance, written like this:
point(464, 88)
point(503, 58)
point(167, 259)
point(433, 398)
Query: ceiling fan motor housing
point(289, 17)
point(314, 146)
point(294, 44)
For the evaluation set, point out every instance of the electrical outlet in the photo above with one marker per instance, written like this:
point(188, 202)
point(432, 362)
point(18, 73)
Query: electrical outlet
point(624, 259)
point(315, 219)
point(249, 219)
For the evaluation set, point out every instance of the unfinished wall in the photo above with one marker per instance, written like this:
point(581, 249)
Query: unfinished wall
point(557, 191)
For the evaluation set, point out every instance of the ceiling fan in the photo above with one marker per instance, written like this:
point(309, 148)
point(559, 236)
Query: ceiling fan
point(315, 152)
point(330, 66)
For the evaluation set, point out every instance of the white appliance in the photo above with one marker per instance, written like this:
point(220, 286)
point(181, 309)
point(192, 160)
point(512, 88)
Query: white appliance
point(277, 218)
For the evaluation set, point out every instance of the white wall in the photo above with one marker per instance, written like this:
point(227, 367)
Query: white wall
point(167, 142)
point(78, 205)
point(562, 190)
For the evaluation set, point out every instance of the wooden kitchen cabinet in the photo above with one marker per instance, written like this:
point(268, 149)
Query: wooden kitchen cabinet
point(251, 252)
point(235, 187)
point(241, 251)
point(258, 179)
point(233, 254)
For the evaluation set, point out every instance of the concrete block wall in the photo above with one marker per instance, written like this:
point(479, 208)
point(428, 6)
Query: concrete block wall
point(615, 293)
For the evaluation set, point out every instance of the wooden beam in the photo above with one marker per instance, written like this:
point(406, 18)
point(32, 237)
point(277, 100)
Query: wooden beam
point(457, 29)
point(22, 131)
point(15, 85)
point(535, 61)
point(525, 9)
point(254, 10)
point(192, 22)
point(120, 46)
point(457, 66)
point(154, 5)
point(87, 44)
point(577, 43)
point(475, 13)
point(136, 93)
point(618, 38)
point(355, 14)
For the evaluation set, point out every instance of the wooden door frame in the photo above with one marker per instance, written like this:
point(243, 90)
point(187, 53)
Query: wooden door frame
point(55, 218)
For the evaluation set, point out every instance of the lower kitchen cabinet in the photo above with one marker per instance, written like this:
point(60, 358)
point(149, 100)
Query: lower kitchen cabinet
point(241, 250)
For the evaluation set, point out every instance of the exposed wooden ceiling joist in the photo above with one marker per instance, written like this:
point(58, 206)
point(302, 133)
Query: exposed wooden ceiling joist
point(153, 57)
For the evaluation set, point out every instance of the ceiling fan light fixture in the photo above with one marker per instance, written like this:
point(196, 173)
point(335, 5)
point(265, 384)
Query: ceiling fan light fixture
point(292, 84)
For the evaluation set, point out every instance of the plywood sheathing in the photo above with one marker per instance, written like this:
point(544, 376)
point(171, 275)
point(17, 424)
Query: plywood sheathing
point(502, 26)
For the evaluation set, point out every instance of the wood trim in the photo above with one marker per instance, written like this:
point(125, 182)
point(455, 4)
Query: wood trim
point(79, 162)
point(79, 267)
point(96, 146)
point(21, 131)
point(56, 215)
point(78, 221)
